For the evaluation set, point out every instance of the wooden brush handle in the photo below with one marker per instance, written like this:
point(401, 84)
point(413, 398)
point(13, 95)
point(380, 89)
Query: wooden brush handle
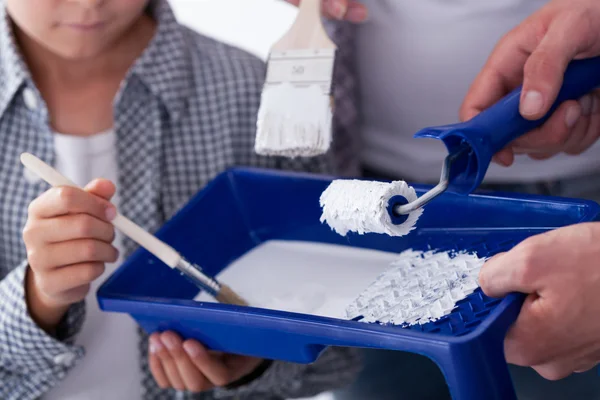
point(307, 31)
point(312, 7)
point(161, 250)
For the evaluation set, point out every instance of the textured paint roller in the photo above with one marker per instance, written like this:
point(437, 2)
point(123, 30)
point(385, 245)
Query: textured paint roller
point(352, 205)
point(364, 206)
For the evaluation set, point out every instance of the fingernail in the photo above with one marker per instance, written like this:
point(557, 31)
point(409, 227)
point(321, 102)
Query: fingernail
point(339, 9)
point(191, 349)
point(499, 159)
point(155, 345)
point(357, 15)
point(169, 342)
point(572, 115)
point(532, 103)
point(586, 103)
point(111, 213)
point(595, 104)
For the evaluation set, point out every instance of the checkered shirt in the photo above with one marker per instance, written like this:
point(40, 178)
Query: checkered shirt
point(346, 116)
point(185, 112)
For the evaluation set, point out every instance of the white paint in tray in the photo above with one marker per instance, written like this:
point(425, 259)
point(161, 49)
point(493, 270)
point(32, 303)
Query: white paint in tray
point(345, 282)
point(418, 288)
point(305, 277)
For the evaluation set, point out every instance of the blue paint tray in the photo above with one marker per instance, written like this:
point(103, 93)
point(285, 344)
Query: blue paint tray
point(237, 211)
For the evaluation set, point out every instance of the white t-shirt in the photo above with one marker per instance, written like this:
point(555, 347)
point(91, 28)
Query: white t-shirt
point(110, 369)
point(416, 61)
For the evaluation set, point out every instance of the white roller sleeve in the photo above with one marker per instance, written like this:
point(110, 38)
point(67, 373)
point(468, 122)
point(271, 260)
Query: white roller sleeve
point(161, 250)
point(352, 205)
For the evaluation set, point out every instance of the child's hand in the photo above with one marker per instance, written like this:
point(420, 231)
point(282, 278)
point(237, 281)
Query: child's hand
point(349, 10)
point(68, 239)
point(189, 366)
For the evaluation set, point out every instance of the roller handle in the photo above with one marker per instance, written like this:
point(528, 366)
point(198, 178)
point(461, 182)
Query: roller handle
point(494, 128)
point(502, 123)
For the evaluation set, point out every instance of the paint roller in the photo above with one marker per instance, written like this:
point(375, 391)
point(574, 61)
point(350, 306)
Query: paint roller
point(393, 208)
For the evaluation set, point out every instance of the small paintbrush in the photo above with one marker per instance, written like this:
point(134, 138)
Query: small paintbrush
point(295, 115)
point(161, 250)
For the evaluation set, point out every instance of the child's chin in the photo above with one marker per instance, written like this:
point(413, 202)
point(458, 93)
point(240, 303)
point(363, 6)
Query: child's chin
point(78, 53)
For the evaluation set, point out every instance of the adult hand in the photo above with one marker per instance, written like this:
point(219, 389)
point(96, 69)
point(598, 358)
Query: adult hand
point(558, 330)
point(187, 365)
point(348, 10)
point(536, 54)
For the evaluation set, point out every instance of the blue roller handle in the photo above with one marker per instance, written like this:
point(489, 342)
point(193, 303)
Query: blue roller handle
point(491, 130)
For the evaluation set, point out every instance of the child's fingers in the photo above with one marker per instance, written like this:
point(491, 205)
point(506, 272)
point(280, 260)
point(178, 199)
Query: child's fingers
point(68, 227)
point(72, 252)
point(192, 377)
point(210, 365)
point(69, 200)
point(102, 188)
point(156, 365)
point(169, 367)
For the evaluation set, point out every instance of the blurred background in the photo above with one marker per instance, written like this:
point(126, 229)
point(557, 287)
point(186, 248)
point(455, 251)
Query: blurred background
point(249, 24)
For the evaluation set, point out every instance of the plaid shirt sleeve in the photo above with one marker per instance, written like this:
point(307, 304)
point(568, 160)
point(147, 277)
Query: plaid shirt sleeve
point(30, 359)
point(187, 96)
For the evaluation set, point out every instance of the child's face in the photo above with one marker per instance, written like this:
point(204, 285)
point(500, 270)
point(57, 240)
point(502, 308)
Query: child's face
point(75, 29)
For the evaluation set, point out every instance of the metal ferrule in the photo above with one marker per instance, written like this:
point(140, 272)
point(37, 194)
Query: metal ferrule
point(195, 273)
point(302, 68)
point(437, 190)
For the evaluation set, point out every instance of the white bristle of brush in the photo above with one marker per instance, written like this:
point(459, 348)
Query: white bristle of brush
point(295, 115)
point(352, 205)
point(293, 121)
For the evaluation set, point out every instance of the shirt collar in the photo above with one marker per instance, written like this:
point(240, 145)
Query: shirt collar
point(164, 66)
point(13, 70)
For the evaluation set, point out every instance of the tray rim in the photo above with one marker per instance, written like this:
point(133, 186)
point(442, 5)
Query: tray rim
point(114, 302)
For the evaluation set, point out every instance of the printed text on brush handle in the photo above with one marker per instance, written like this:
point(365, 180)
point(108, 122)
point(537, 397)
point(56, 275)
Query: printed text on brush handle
point(301, 67)
point(161, 250)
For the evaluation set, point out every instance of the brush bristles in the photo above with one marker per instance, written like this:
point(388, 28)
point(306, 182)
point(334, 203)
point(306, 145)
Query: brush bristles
point(228, 296)
point(294, 121)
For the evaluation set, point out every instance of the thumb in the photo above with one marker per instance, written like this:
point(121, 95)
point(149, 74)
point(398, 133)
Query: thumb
point(545, 68)
point(336, 8)
point(503, 274)
point(101, 188)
